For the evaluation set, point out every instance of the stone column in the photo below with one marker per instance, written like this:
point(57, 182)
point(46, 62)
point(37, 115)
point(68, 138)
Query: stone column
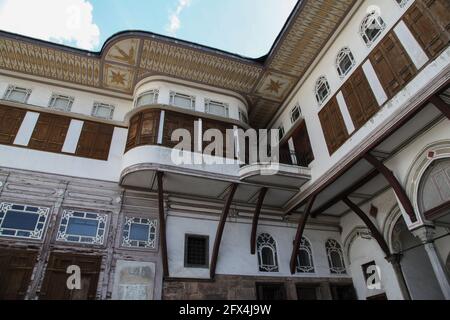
point(395, 262)
point(426, 235)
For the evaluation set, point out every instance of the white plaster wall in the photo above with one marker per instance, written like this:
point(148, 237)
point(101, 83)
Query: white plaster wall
point(196, 90)
point(234, 255)
point(83, 103)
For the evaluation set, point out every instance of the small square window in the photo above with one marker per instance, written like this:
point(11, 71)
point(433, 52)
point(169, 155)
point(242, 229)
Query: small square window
point(82, 227)
point(182, 100)
point(139, 233)
point(60, 102)
point(17, 94)
point(295, 114)
point(196, 251)
point(102, 110)
point(20, 221)
point(216, 108)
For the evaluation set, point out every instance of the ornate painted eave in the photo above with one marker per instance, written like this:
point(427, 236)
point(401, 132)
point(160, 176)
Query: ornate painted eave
point(128, 57)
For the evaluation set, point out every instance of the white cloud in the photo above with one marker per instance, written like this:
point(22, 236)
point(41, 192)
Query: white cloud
point(62, 21)
point(174, 18)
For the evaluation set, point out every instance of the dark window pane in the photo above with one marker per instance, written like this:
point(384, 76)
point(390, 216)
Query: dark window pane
point(82, 227)
point(139, 232)
point(267, 257)
point(306, 293)
point(20, 220)
point(196, 251)
point(271, 292)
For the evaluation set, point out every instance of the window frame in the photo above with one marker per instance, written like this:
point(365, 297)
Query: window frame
point(174, 94)
point(402, 3)
point(331, 246)
point(151, 222)
point(155, 93)
point(55, 96)
point(226, 107)
point(368, 19)
point(295, 109)
point(305, 245)
point(11, 88)
point(322, 81)
point(342, 54)
point(96, 106)
point(186, 247)
point(40, 226)
point(282, 131)
point(265, 240)
point(98, 240)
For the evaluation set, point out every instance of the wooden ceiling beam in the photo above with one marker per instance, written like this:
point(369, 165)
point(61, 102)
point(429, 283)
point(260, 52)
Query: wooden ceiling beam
point(441, 105)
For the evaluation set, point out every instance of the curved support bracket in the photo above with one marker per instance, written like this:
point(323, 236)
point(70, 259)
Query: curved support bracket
point(262, 195)
point(299, 235)
point(394, 183)
point(220, 227)
point(162, 224)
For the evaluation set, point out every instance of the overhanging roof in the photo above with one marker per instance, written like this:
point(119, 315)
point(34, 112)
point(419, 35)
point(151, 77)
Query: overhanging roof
point(128, 57)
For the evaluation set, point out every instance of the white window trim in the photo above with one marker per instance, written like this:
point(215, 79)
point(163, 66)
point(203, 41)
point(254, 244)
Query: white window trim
point(402, 3)
point(282, 130)
point(174, 94)
point(155, 93)
point(305, 244)
point(296, 108)
point(104, 105)
point(70, 100)
point(322, 81)
point(374, 15)
point(12, 88)
point(99, 239)
point(266, 240)
point(208, 102)
point(332, 245)
point(344, 52)
point(243, 117)
point(150, 243)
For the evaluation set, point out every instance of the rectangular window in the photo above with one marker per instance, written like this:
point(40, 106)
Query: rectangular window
point(182, 100)
point(147, 98)
point(102, 110)
point(139, 233)
point(196, 251)
point(295, 114)
point(17, 94)
point(271, 291)
point(243, 116)
point(82, 227)
point(20, 221)
point(60, 102)
point(216, 108)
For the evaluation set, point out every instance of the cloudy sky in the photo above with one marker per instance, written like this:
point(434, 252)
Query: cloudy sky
point(246, 27)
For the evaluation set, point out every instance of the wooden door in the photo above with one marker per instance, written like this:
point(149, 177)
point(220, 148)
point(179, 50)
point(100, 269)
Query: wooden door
point(55, 287)
point(16, 267)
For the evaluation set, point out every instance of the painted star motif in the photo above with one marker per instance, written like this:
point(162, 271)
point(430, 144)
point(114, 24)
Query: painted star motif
point(274, 86)
point(118, 78)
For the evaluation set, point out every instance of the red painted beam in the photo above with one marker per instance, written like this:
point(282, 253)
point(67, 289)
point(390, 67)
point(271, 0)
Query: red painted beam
point(219, 233)
point(262, 195)
point(373, 229)
point(162, 224)
point(441, 105)
point(394, 183)
point(299, 235)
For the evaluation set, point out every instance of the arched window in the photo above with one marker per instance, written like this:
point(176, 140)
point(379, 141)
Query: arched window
point(335, 257)
point(267, 253)
point(344, 62)
point(322, 90)
point(434, 187)
point(305, 262)
point(371, 27)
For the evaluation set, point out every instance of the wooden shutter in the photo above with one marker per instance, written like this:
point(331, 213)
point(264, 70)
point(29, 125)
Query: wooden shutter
point(392, 64)
point(429, 22)
point(359, 97)
point(333, 126)
point(10, 121)
point(174, 121)
point(95, 140)
point(302, 145)
point(221, 126)
point(54, 286)
point(148, 133)
point(49, 133)
point(133, 131)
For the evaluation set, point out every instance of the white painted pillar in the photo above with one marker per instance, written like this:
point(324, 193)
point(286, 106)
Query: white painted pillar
point(374, 83)
point(26, 129)
point(412, 47)
point(73, 135)
point(161, 127)
point(426, 234)
point(345, 113)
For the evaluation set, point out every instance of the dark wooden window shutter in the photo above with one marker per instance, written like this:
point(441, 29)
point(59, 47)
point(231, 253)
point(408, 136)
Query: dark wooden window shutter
point(174, 121)
point(333, 126)
point(49, 133)
point(429, 22)
point(221, 126)
point(359, 97)
point(10, 121)
point(95, 140)
point(302, 145)
point(392, 64)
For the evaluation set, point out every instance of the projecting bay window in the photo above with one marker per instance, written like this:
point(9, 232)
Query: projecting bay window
point(82, 227)
point(196, 251)
point(20, 221)
point(182, 100)
point(17, 94)
point(61, 102)
point(216, 108)
point(103, 111)
point(147, 98)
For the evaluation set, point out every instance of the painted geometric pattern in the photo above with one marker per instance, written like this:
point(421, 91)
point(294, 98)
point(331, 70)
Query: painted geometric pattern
point(46, 62)
point(197, 66)
point(308, 34)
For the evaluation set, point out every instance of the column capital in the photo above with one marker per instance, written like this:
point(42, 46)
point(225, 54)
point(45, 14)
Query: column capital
point(425, 233)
